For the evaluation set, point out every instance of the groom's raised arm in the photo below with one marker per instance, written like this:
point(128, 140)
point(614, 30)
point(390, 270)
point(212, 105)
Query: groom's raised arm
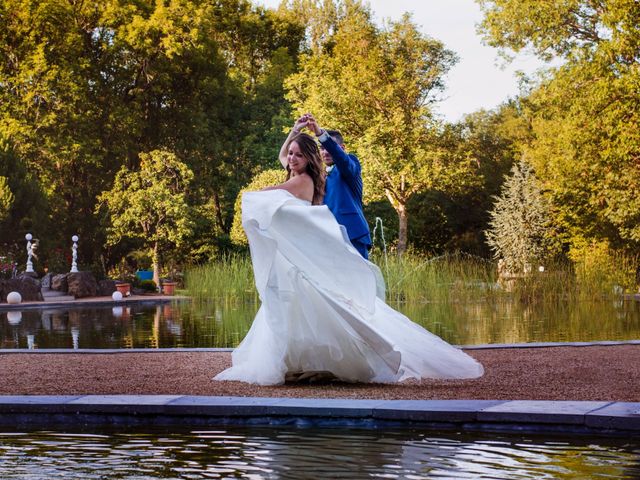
point(346, 164)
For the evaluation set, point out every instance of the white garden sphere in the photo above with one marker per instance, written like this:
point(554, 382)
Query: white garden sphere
point(117, 311)
point(117, 296)
point(28, 236)
point(14, 298)
point(74, 238)
point(14, 317)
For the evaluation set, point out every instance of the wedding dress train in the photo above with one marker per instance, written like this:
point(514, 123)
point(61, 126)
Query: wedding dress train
point(321, 308)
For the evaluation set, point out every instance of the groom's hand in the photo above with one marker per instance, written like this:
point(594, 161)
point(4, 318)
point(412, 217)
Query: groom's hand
point(300, 123)
point(313, 125)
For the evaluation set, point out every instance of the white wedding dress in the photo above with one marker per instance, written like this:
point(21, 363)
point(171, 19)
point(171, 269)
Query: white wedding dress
point(321, 308)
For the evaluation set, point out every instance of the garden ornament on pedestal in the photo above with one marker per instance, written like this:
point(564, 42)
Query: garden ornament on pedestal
point(74, 255)
point(30, 252)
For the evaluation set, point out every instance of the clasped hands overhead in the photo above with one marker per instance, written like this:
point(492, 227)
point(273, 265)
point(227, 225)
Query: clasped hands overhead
point(308, 121)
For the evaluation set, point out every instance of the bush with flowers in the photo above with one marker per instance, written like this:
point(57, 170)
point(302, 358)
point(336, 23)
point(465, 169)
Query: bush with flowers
point(8, 267)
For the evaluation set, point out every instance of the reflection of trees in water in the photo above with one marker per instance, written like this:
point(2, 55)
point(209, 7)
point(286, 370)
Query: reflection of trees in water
point(218, 323)
point(293, 453)
point(224, 324)
point(516, 322)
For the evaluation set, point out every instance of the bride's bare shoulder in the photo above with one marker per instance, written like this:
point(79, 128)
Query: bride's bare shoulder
point(300, 186)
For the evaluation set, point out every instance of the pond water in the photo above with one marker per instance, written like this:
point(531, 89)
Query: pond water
point(294, 453)
point(224, 324)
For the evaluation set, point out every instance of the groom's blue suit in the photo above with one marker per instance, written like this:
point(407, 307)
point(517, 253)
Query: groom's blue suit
point(344, 194)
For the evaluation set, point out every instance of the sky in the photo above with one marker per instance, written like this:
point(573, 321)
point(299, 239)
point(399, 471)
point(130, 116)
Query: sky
point(480, 79)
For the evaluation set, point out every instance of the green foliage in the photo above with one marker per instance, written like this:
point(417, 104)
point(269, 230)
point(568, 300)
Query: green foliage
point(148, 285)
point(587, 129)
point(86, 87)
point(6, 198)
point(28, 207)
point(567, 28)
point(260, 181)
point(150, 203)
point(520, 230)
point(584, 115)
point(600, 267)
point(377, 87)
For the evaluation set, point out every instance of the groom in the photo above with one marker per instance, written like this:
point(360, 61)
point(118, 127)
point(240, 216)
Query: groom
point(343, 193)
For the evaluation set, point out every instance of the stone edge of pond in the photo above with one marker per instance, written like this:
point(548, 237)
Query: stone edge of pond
point(600, 343)
point(534, 416)
point(93, 302)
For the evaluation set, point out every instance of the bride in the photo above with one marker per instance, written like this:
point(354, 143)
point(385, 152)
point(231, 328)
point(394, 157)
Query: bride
point(323, 311)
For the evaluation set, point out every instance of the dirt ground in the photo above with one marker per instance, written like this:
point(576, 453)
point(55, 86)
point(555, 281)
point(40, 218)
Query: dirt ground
point(554, 373)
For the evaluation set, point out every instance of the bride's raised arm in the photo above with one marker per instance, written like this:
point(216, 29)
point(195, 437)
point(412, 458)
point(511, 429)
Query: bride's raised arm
point(297, 127)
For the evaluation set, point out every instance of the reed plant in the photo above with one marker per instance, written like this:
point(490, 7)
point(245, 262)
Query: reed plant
point(229, 279)
point(450, 278)
point(453, 278)
point(591, 277)
point(445, 278)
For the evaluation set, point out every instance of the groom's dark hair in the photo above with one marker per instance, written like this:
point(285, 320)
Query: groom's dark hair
point(337, 136)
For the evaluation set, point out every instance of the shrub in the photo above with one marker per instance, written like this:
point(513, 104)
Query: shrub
point(260, 181)
point(148, 285)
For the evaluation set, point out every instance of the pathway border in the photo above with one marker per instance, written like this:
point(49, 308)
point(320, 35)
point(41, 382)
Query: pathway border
point(548, 417)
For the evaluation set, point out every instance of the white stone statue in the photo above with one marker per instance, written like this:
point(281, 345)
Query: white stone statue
point(74, 254)
point(30, 252)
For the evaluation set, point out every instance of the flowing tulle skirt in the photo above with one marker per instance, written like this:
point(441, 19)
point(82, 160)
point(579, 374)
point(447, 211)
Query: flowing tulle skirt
point(322, 306)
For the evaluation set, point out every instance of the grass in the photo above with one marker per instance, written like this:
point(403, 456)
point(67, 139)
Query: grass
point(417, 278)
point(229, 279)
point(444, 279)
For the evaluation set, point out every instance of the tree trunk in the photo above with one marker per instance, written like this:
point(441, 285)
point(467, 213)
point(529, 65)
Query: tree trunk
point(156, 264)
point(399, 204)
point(403, 221)
point(216, 200)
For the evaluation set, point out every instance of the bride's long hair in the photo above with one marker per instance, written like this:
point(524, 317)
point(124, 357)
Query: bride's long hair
point(315, 166)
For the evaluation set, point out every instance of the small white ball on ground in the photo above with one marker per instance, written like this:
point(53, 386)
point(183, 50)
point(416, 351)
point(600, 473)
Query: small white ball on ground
point(117, 296)
point(14, 297)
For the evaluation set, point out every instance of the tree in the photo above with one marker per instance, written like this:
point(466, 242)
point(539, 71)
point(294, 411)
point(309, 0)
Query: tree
point(86, 86)
point(6, 198)
point(150, 204)
point(520, 230)
point(584, 115)
point(492, 140)
point(377, 86)
point(23, 203)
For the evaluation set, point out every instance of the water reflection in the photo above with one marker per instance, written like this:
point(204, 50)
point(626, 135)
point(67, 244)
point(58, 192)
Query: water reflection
point(224, 324)
point(286, 453)
point(14, 318)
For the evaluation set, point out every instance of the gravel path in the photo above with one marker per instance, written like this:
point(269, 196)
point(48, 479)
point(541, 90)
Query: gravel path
point(556, 373)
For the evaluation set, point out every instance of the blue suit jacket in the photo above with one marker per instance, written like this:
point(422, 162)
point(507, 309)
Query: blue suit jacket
point(343, 193)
